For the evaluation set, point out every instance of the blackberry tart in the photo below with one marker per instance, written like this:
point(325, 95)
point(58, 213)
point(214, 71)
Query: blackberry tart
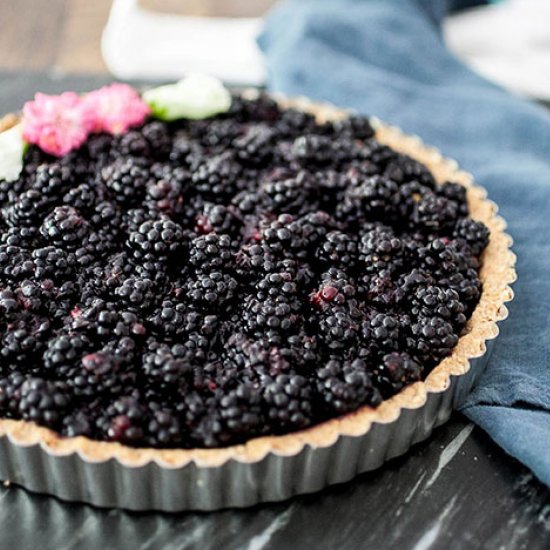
point(218, 300)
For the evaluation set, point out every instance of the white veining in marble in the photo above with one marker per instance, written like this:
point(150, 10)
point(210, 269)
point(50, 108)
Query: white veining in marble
point(449, 452)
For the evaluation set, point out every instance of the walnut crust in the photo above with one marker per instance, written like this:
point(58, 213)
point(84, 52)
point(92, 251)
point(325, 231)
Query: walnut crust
point(497, 273)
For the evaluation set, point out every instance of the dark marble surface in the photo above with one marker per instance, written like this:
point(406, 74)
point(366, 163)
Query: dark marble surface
point(458, 490)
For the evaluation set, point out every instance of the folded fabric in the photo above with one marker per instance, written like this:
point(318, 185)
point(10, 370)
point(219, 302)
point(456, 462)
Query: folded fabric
point(387, 58)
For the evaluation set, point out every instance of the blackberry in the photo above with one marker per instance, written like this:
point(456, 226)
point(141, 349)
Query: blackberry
point(312, 149)
point(379, 249)
point(405, 200)
point(83, 198)
point(158, 137)
point(52, 179)
point(339, 249)
point(277, 315)
point(176, 319)
point(403, 169)
point(255, 145)
point(217, 176)
point(24, 340)
point(99, 374)
point(211, 252)
point(164, 429)
point(354, 127)
point(29, 209)
point(429, 301)
point(343, 387)
point(340, 327)
point(156, 239)
point(210, 290)
point(474, 233)
point(23, 237)
point(98, 147)
point(219, 219)
point(236, 414)
point(9, 304)
point(220, 134)
point(370, 201)
point(276, 286)
point(15, 263)
point(456, 193)
point(432, 339)
point(54, 263)
point(167, 367)
point(434, 213)
point(123, 421)
point(10, 393)
point(133, 143)
point(254, 260)
point(43, 401)
point(64, 227)
point(139, 293)
point(288, 403)
point(395, 371)
point(127, 179)
point(336, 289)
point(384, 332)
point(288, 195)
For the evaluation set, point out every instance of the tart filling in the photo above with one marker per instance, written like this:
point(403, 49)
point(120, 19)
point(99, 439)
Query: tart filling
point(202, 283)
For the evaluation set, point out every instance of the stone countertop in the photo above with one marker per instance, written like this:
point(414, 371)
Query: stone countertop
point(458, 490)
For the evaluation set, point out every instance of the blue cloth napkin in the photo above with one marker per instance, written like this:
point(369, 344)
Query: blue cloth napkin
point(387, 58)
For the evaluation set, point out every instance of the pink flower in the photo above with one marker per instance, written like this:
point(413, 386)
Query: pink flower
point(116, 108)
point(57, 124)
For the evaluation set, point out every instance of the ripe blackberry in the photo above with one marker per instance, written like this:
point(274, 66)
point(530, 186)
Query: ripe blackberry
point(53, 263)
point(431, 340)
point(429, 301)
point(336, 289)
point(124, 420)
point(403, 169)
point(370, 201)
point(106, 215)
point(156, 239)
point(64, 227)
point(277, 315)
point(9, 304)
point(235, 415)
point(456, 193)
point(434, 213)
point(219, 219)
point(276, 286)
point(10, 393)
point(164, 429)
point(354, 126)
point(312, 149)
point(211, 252)
point(219, 134)
point(167, 367)
point(255, 145)
point(246, 202)
point(138, 293)
point(177, 319)
point(405, 200)
point(254, 260)
point(98, 147)
point(384, 332)
point(158, 137)
point(380, 249)
point(82, 197)
point(466, 284)
point(344, 386)
point(287, 401)
point(23, 237)
point(15, 263)
point(43, 401)
point(338, 249)
point(474, 233)
point(132, 143)
point(210, 290)
point(340, 327)
point(289, 195)
point(29, 209)
point(217, 176)
point(127, 179)
point(52, 179)
point(395, 371)
point(99, 373)
point(24, 340)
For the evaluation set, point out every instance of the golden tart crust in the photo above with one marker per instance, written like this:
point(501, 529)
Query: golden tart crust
point(497, 273)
